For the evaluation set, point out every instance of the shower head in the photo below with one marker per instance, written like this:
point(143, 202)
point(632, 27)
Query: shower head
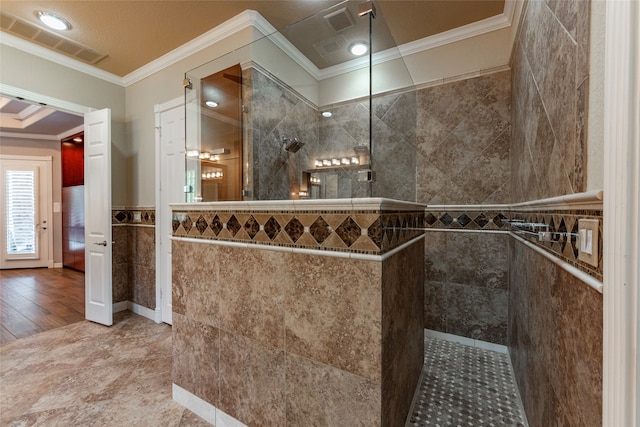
point(292, 145)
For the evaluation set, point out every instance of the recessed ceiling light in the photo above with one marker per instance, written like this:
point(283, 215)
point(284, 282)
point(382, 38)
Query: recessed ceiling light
point(211, 104)
point(327, 114)
point(77, 139)
point(53, 21)
point(358, 48)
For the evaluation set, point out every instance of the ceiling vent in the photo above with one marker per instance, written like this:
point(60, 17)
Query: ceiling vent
point(339, 20)
point(328, 48)
point(25, 30)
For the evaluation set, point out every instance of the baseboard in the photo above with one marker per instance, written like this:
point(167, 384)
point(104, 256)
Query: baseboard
point(142, 310)
point(119, 306)
point(58, 265)
point(204, 409)
point(467, 341)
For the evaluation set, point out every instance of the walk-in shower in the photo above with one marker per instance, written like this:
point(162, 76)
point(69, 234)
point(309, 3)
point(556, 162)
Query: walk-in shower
point(303, 92)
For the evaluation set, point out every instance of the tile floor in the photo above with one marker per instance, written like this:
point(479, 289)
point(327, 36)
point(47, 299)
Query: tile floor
point(466, 386)
point(85, 374)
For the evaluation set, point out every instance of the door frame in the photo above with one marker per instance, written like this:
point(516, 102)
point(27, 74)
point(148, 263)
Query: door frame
point(56, 103)
point(158, 109)
point(621, 296)
point(49, 197)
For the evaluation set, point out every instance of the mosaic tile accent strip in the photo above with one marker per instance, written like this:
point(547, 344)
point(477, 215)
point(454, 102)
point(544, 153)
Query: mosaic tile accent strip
point(133, 216)
point(477, 220)
point(466, 386)
point(364, 232)
point(565, 221)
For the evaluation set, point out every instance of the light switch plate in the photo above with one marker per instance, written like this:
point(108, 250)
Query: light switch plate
point(588, 241)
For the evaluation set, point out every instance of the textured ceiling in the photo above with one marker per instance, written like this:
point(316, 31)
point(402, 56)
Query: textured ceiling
point(134, 33)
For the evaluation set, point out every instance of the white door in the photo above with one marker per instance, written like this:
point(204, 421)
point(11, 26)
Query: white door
point(97, 208)
point(26, 193)
point(171, 175)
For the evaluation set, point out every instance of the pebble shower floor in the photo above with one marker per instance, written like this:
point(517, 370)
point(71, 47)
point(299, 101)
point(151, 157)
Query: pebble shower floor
point(466, 386)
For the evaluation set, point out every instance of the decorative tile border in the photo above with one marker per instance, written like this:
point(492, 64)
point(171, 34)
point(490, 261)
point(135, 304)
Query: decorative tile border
point(132, 216)
point(358, 231)
point(466, 220)
point(563, 220)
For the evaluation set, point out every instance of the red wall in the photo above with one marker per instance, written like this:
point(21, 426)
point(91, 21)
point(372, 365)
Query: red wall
point(72, 164)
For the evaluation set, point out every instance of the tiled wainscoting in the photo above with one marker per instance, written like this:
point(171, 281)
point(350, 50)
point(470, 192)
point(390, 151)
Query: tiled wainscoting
point(134, 262)
point(486, 280)
point(372, 232)
point(334, 336)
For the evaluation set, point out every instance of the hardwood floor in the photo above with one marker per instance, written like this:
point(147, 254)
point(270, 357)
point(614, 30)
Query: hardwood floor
point(37, 300)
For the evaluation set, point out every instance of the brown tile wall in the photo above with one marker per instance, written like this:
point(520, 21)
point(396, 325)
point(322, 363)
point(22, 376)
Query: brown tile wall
point(463, 137)
point(306, 332)
point(276, 112)
point(555, 320)
point(133, 255)
point(467, 284)
point(549, 95)
point(555, 341)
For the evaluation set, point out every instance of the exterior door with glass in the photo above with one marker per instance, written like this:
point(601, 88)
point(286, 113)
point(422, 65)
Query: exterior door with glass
point(26, 193)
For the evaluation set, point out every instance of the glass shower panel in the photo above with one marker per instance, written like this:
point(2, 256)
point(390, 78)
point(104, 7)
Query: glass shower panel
point(394, 115)
point(309, 125)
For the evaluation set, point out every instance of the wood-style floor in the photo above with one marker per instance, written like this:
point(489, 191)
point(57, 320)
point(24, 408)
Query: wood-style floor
point(37, 300)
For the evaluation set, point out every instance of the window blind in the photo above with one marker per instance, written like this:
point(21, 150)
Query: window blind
point(20, 206)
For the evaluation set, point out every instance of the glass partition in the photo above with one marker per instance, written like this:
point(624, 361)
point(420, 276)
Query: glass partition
point(295, 115)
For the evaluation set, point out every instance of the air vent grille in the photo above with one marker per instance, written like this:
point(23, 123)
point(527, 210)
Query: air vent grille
point(339, 20)
point(26, 30)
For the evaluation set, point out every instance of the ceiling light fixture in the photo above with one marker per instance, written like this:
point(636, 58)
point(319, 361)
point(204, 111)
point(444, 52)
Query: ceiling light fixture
point(77, 139)
point(53, 21)
point(327, 114)
point(212, 104)
point(358, 48)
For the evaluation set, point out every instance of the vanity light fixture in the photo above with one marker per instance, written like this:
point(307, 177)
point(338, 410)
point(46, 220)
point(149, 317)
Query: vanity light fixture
point(334, 162)
point(204, 156)
point(212, 104)
point(52, 21)
point(358, 48)
point(327, 114)
point(193, 153)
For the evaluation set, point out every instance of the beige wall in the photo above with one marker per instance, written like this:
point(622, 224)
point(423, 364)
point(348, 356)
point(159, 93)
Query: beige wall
point(31, 73)
point(31, 147)
point(163, 86)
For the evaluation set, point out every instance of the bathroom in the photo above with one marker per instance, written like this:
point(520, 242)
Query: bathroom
point(482, 151)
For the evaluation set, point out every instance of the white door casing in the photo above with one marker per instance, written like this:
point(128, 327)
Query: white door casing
point(170, 179)
point(97, 207)
point(41, 168)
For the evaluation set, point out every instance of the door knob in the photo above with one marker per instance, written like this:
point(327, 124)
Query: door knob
point(103, 243)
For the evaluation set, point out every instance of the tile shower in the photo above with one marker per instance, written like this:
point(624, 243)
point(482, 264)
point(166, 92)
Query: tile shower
point(484, 150)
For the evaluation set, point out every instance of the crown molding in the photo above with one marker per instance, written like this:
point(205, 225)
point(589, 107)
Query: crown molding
point(238, 23)
point(251, 18)
point(58, 58)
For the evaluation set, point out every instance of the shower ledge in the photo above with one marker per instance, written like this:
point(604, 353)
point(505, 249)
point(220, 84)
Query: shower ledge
point(358, 204)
